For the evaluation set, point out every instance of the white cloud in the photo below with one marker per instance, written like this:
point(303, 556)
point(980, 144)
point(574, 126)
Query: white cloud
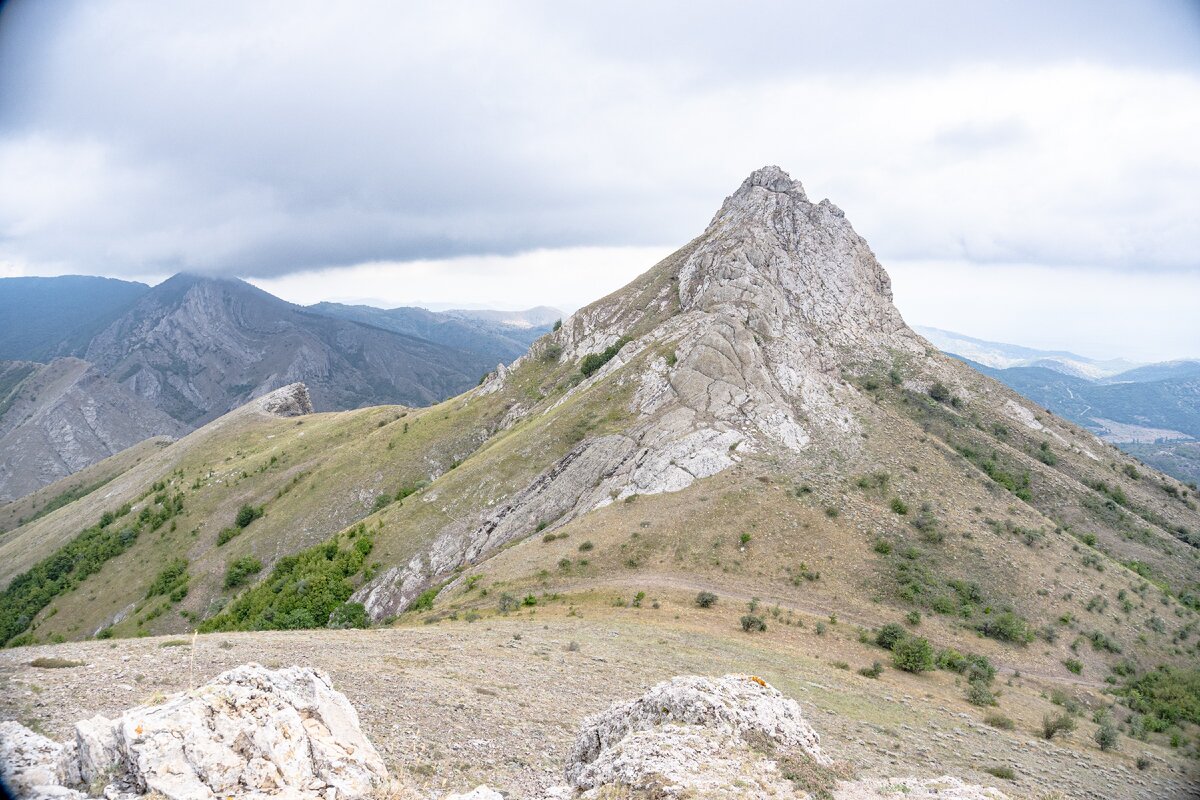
point(566, 278)
point(274, 139)
point(1094, 312)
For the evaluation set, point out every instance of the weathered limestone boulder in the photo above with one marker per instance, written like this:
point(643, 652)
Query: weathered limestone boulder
point(713, 737)
point(726, 738)
point(250, 733)
point(32, 765)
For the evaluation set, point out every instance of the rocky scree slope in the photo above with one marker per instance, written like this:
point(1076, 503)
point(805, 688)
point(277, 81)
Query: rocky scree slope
point(58, 418)
point(259, 733)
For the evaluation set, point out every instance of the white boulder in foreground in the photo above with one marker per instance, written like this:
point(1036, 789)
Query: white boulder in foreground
point(251, 732)
point(254, 733)
point(721, 738)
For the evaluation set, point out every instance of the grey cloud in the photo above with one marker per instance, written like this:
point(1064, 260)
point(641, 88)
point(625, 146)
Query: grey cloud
point(260, 139)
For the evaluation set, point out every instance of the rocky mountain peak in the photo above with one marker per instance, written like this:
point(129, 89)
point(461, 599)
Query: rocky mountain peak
point(773, 179)
point(779, 258)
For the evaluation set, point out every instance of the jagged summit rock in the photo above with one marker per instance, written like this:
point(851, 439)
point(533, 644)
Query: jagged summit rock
point(740, 340)
point(780, 259)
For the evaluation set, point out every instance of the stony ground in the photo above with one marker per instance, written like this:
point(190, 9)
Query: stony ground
point(499, 700)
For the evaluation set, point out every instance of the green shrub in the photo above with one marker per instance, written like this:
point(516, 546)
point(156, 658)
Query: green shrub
point(349, 615)
point(507, 603)
point(1045, 455)
point(706, 599)
point(883, 547)
point(424, 601)
point(169, 578)
point(873, 671)
point(594, 361)
point(1007, 627)
point(586, 546)
point(951, 660)
point(1002, 772)
point(302, 589)
point(940, 392)
point(1074, 665)
point(247, 514)
point(997, 720)
point(1053, 724)
point(1106, 736)
point(899, 506)
point(1170, 694)
point(753, 623)
point(913, 654)
point(913, 618)
point(226, 534)
point(240, 569)
point(889, 635)
point(979, 693)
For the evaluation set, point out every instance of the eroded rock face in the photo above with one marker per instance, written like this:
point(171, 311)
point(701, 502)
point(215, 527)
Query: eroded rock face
point(251, 732)
point(721, 738)
point(32, 765)
point(734, 344)
point(696, 734)
point(288, 401)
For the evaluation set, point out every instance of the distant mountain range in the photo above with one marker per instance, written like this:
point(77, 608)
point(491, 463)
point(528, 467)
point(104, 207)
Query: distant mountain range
point(90, 366)
point(1149, 410)
point(999, 355)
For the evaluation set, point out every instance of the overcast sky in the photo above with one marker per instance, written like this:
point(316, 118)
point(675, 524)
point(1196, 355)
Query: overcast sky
point(1027, 172)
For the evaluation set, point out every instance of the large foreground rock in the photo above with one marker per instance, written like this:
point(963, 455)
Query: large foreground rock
point(712, 737)
point(251, 732)
point(720, 739)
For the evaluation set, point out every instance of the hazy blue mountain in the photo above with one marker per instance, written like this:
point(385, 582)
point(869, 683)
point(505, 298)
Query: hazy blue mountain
point(1000, 355)
point(1170, 407)
point(1165, 370)
point(1149, 410)
point(495, 336)
point(44, 318)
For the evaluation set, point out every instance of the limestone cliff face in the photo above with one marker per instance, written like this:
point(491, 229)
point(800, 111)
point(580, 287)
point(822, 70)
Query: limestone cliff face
point(736, 343)
point(61, 417)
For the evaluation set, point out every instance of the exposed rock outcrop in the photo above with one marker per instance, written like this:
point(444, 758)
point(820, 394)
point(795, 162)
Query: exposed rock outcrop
point(719, 737)
point(729, 737)
point(57, 418)
point(736, 343)
point(32, 765)
point(251, 732)
point(288, 401)
point(258, 733)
